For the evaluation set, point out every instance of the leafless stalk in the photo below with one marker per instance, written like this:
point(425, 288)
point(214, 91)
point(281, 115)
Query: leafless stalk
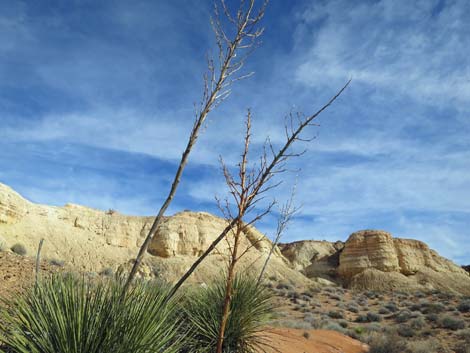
point(222, 72)
point(38, 261)
point(259, 183)
point(287, 211)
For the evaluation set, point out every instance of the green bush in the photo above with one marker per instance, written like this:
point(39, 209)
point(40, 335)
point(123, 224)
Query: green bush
point(403, 316)
point(73, 315)
point(250, 311)
point(405, 330)
point(373, 317)
point(19, 249)
point(336, 314)
point(451, 323)
point(464, 306)
point(387, 344)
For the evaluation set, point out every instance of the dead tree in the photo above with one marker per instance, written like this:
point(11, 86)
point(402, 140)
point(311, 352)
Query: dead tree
point(223, 71)
point(259, 182)
point(247, 188)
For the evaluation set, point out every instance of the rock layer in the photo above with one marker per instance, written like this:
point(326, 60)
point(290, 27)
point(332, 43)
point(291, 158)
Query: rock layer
point(379, 250)
point(93, 240)
point(374, 260)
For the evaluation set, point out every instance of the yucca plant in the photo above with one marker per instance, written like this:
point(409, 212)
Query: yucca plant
point(250, 312)
point(66, 314)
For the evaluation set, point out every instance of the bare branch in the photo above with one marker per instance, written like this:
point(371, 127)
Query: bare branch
point(246, 26)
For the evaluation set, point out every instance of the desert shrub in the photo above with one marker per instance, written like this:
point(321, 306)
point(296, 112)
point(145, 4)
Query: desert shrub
point(56, 262)
point(461, 348)
point(353, 334)
point(407, 304)
point(371, 294)
point(74, 315)
point(417, 323)
point(19, 249)
point(425, 346)
point(383, 311)
point(464, 306)
point(451, 323)
point(333, 326)
point(297, 324)
point(445, 296)
point(432, 317)
point(373, 327)
point(108, 272)
point(352, 308)
point(306, 335)
point(373, 317)
point(405, 330)
point(336, 314)
point(343, 323)
point(464, 335)
point(419, 294)
point(285, 285)
point(310, 319)
point(386, 344)
point(431, 308)
point(250, 310)
point(392, 307)
point(369, 317)
point(403, 316)
point(362, 301)
point(361, 318)
point(359, 330)
point(335, 297)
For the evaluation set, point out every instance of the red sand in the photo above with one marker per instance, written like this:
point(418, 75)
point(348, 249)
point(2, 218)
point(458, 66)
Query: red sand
point(320, 341)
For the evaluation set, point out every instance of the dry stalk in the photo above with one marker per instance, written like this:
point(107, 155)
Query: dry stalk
point(232, 54)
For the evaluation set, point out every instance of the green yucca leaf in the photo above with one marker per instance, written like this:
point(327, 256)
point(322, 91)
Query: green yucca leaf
point(250, 311)
point(69, 314)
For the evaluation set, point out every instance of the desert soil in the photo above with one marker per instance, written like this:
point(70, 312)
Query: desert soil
point(17, 272)
point(287, 340)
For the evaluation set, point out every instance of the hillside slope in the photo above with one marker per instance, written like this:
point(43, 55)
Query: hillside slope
point(91, 240)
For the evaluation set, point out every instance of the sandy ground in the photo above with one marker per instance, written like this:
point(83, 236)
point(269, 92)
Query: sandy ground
point(16, 272)
point(319, 341)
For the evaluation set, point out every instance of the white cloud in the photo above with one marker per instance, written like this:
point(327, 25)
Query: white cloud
point(393, 45)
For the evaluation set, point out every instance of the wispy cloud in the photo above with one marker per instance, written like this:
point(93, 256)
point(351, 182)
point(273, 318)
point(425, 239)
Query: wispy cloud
point(97, 102)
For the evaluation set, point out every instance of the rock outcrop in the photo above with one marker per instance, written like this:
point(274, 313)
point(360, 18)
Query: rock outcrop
point(373, 259)
point(379, 250)
point(91, 240)
point(314, 258)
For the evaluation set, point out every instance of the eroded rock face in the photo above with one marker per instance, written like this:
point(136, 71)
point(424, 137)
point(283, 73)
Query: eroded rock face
point(374, 259)
point(368, 249)
point(12, 206)
point(190, 234)
point(378, 250)
point(305, 252)
point(92, 240)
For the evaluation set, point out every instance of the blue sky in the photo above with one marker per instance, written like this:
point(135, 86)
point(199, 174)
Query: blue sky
point(96, 102)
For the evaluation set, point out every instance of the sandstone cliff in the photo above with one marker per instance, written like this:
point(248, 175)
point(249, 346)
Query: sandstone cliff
point(92, 240)
point(314, 258)
point(373, 259)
